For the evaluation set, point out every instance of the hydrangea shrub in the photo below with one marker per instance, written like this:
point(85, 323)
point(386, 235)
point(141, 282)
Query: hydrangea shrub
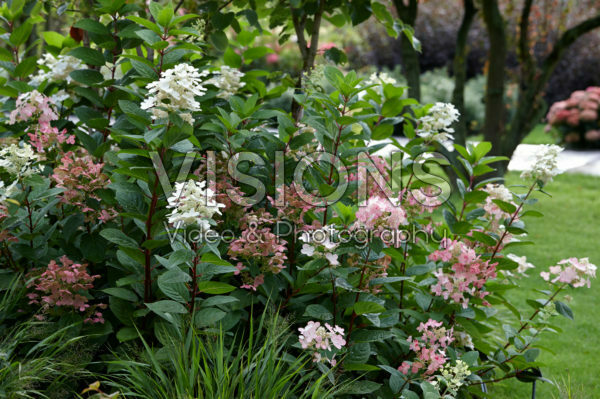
point(174, 192)
point(576, 118)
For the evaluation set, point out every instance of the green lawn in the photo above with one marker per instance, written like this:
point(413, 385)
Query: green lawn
point(571, 227)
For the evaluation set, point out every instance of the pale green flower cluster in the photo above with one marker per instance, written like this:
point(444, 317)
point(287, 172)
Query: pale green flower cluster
point(59, 68)
point(452, 377)
point(18, 161)
point(7, 191)
point(193, 204)
point(175, 91)
point(436, 125)
point(381, 78)
point(228, 80)
point(545, 164)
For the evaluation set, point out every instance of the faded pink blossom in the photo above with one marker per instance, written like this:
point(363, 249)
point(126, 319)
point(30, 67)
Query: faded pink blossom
point(316, 337)
point(81, 177)
point(65, 286)
point(33, 105)
point(47, 136)
point(429, 349)
point(572, 271)
point(466, 276)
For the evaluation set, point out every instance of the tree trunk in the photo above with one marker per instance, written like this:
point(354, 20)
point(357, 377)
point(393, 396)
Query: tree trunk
point(460, 71)
point(530, 106)
point(307, 50)
point(410, 56)
point(494, 97)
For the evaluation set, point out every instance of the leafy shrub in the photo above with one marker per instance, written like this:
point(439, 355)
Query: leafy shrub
point(170, 175)
point(576, 119)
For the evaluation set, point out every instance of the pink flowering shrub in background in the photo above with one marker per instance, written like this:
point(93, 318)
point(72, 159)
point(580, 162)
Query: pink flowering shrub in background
point(577, 119)
point(193, 203)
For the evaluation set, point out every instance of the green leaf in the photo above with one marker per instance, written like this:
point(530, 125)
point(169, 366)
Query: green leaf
point(221, 21)
point(123, 310)
point(122, 293)
point(118, 237)
point(53, 39)
point(165, 15)
point(26, 67)
point(563, 309)
point(364, 335)
point(423, 300)
point(359, 352)
point(166, 307)
point(219, 40)
point(219, 300)
point(133, 110)
point(144, 70)
point(484, 238)
point(505, 206)
point(88, 55)
point(382, 131)
point(155, 8)
point(420, 269)
point(146, 23)
point(532, 213)
point(92, 26)
point(208, 316)
point(318, 312)
point(531, 354)
point(254, 53)
point(475, 197)
point(361, 387)
point(87, 77)
point(336, 56)
point(213, 259)
point(392, 107)
point(20, 34)
point(368, 307)
point(406, 394)
point(482, 148)
point(470, 358)
point(127, 334)
point(214, 287)
point(148, 36)
point(172, 284)
point(333, 76)
point(232, 58)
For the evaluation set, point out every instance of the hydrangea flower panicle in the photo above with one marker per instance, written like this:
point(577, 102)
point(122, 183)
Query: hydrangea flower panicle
point(228, 81)
point(193, 204)
point(381, 213)
point(65, 285)
point(175, 91)
point(33, 105)
point(59, 69)
point(45, 137)
point(466, 276)
point(429, 348)
point(316, 338)
point(320, 243)
point(572, 271)
point(436, 125)
point(18, 161)
point(545, 164)
point(81, 177)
